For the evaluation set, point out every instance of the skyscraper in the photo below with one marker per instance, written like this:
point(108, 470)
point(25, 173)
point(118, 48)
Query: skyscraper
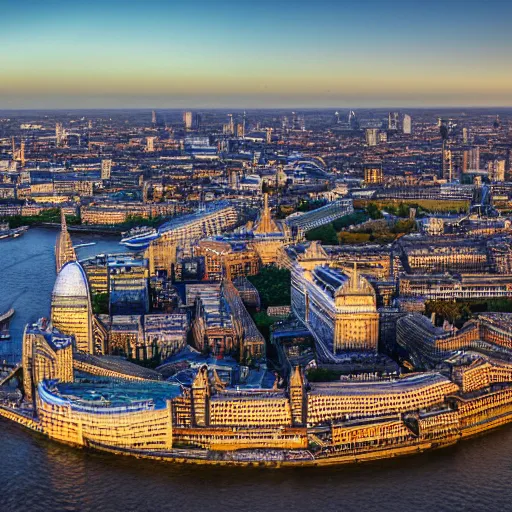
point(472, 159)
point(71, 310)
point(496, 170)
point(150, 144)
point(393, 118)
point(153, 118)
point(59, 134)
point(371, 136)
point(269, 135)
point(188, 119)
point(447, 163)
point(106, 168)
point(407, 124)
point(353, 121)
point(465, 135)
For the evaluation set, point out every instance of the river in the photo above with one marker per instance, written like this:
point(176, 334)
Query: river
point(39, 475)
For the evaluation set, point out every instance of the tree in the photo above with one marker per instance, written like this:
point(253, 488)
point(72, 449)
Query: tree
point(325, 234)
point(100, 302)
point(273, 285)
point(373, 211)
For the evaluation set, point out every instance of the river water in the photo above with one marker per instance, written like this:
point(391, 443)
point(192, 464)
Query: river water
point(39, 475)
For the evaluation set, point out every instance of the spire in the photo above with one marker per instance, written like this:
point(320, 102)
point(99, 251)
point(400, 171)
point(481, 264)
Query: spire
point(355, 278)
point(314, 252)
point(64, 250)
point(296, 379)
point(265, 223)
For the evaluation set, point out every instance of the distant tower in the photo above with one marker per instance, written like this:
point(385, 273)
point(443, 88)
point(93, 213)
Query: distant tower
point(465, 135)
point(371, 136)
point(407, 124)
point(22, 153)
point(447, 163)
point(243, 125)
point(269, 135)
point(153, 118)
point(188, 120)
point(301, 122)
point(393, 121)
point(150, 144)
point(336, 117)
point(59, 134)
point(231, 124)
point(496, 170)
point(352, 120)
point(64, 250)
point(474, 159)
point(106, 169)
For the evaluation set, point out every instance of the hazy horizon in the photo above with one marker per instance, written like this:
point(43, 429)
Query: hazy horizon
point(269, 54)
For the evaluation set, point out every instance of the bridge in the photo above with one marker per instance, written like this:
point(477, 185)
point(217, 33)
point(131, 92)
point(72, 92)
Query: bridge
point(320, 216)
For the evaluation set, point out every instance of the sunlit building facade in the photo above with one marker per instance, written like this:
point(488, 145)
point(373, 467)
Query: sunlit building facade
point(71, 309)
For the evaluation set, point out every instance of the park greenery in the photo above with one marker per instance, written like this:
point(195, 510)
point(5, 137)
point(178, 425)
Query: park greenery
point(364, 232)
point(422, 205)
point(308, 205)
point(458, 312)
point(273, 285)
point(100, 303)
point(52, 215)
point(264, 322)
point(137, 220)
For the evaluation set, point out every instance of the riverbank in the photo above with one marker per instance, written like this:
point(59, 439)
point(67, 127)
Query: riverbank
point(273, 459)
point(87, 228)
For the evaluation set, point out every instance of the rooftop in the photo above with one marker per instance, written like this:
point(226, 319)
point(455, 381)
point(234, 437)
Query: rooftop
point(71, 281)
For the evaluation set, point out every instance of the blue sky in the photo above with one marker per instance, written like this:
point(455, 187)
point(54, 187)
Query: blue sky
point(255, 54)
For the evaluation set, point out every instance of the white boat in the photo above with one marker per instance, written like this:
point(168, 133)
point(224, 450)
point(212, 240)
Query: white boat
point(139, 238)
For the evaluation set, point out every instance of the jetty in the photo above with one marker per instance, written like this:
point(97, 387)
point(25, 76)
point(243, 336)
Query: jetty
point(5, 320)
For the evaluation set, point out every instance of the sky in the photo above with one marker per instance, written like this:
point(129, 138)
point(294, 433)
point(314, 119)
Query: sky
point(255, 54)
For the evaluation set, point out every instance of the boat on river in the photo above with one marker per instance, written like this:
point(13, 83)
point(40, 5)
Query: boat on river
point(6, 232)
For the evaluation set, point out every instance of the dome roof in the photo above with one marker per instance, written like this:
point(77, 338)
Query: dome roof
point(71, 281)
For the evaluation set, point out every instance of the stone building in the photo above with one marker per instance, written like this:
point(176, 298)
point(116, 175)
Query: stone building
point(340, 309)
point(47, 354)
point(227, 260)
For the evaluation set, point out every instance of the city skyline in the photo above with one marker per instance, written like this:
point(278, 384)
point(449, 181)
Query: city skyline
point(268, 55)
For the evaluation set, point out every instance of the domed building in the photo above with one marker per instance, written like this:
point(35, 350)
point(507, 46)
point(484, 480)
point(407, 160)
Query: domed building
point(71, 311)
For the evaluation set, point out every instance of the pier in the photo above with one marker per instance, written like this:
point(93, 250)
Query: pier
point(5, 321)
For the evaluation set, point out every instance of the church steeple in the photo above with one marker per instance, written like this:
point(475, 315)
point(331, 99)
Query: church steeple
point(265, 223)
